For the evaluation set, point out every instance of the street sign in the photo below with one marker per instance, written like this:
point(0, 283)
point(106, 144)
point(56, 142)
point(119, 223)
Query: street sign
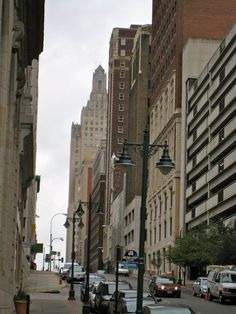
point(130, 255)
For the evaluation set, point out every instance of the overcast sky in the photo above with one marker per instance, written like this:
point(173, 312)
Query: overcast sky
point(76, 41)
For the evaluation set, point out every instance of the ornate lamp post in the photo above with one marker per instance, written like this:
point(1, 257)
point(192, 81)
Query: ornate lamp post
point(50, 253)
point(79, 212)
point(165, 164)
point(89, 204)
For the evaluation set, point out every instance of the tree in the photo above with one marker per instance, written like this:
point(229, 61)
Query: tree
point(189, 250)
point(214, 244)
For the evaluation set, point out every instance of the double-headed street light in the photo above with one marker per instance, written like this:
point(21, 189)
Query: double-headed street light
point(89, 204)
point(165, 164)
point(78, 212)
point(50, 253)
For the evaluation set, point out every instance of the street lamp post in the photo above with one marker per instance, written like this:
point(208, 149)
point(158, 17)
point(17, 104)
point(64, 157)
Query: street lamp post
point(90, 204)
point(50, 242)
point(79, 212)
point(165, 164)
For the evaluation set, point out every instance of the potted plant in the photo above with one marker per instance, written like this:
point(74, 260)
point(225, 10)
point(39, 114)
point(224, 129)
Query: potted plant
point(22, 302)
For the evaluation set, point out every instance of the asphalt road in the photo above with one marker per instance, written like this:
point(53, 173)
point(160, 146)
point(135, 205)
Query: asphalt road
point(199, 305)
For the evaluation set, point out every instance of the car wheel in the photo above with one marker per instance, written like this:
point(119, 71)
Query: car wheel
point(221, 299)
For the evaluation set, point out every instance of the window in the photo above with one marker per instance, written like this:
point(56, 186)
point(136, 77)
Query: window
point(171, 197)
point(220, 196)
point(123, 41)
point(221, 135)
point(222, 75)
point(221, 104)
point(170, 226)
point(121, 85)
point(121, 107)
point(194, 161)
point(194, 135)
point(122, 74)
point(122, 63)
point(221, 165)
point(164, 229)
point(122, 53)
point(194, 186)
point(194, 110)
point(120, 140)
point(120, 129)
point(120, 118)
point(159, 232)
point(121, 96)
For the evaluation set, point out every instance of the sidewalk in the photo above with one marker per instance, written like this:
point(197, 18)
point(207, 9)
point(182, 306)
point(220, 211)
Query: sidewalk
point(48, 296)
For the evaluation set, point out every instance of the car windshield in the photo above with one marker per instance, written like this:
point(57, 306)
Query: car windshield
point(121, 286)
point(79, 268)
point(165, 280)
point(231, 278)
point(169, 310)
point(131, 304)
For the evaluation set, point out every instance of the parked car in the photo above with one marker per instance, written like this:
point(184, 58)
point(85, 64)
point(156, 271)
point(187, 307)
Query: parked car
point(65, 269)
point(200, 287)
point(167, 309)
point(93, 278)
point(79, 274)
point(164, 286)
point(123, 270)
point(124, 294)
point(104, 292)
point(92, 295)
point(221, 285)
point(128, 305)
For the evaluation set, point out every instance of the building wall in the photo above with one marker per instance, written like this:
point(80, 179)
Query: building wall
point(120, 49)
point(173, 23)
point(211, 149)
point(196, 54)
point(73, 195)
point(21, 42)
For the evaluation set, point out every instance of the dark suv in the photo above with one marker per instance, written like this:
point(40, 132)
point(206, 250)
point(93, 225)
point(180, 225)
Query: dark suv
point(104, 292)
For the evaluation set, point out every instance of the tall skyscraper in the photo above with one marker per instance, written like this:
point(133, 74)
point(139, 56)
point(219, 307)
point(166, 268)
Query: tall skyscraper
point(120, 50)
point(90, 133)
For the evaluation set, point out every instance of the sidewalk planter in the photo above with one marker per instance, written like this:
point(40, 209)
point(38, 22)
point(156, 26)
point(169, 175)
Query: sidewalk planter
point(21, 307)
point(22, 302)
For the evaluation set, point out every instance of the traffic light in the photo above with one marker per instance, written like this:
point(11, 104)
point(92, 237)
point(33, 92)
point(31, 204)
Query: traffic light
point(62, 259)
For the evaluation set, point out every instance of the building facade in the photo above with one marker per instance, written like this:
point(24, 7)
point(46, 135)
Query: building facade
point(174, 22)
point(98, 198)
point(211, 140)
point(73, 196)
point(120, 50)
point(21, 42)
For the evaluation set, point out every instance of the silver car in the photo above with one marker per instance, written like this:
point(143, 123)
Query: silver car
point(200, 287)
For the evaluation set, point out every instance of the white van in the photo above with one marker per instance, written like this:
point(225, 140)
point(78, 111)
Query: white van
point(221, 285)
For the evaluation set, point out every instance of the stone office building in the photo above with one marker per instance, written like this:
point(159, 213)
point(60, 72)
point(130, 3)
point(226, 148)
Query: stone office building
point(21, 42)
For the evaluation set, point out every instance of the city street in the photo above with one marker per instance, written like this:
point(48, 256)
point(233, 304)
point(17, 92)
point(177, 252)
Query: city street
point(200, 306)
